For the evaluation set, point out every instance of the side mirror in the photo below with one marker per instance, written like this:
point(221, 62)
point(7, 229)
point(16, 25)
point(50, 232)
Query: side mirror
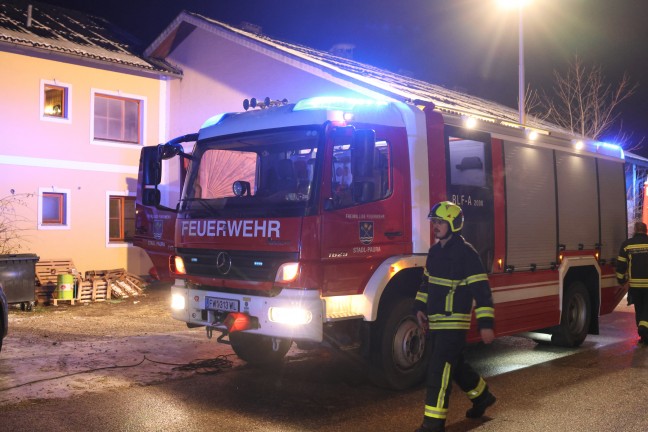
point(151, 197)
point(170, 150)
point(151, 166)
point(362, 153)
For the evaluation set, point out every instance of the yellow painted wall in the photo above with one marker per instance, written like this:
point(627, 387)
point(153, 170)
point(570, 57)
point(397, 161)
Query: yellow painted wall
point(42, 154)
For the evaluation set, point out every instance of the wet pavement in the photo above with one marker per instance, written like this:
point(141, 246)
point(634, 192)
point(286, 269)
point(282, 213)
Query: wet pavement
point(103, 359)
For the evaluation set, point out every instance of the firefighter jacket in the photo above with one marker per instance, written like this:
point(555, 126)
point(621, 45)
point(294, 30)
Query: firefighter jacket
point(632, 262)
point(452, 278)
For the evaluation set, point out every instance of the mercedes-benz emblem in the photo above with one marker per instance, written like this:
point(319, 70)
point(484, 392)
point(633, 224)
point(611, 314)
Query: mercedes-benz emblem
point(223, 263)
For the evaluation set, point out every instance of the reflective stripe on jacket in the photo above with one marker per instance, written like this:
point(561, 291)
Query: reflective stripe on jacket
point(632, 262)
point(452, 278)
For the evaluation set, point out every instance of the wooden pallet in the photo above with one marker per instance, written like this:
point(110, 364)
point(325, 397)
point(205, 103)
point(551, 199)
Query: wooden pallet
point(47, 272)
point(93, 290)
point(124, 288)
point(56, 300)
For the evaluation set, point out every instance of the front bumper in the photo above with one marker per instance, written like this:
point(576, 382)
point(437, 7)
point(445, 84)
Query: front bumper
point(194, 311)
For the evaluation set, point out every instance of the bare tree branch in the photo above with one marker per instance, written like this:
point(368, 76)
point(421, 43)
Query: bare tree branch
point(582, 101)
point(12, 235)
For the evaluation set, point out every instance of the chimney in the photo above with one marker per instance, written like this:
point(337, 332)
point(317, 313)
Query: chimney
point(29, 15)
point(252, 28)
point(343, 50)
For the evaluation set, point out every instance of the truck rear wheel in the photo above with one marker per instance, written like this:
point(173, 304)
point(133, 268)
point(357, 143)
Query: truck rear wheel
point(259, 350)
point(398, 348)
point(575, 317)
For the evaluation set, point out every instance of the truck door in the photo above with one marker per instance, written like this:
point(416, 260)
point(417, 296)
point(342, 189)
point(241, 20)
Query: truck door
point(470, 185)
point(155, 225)
point(363, 216)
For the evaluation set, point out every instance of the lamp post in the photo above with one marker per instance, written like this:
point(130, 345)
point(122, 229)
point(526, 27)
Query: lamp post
point(521, 90)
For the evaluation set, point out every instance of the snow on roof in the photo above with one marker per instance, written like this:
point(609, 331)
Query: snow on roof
point(379, 80)
point(51, 28)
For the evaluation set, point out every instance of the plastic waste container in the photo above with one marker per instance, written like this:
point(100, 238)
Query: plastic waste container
point(18, 278)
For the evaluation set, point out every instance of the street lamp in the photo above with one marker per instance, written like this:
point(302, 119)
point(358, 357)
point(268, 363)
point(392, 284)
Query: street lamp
point(519, 4)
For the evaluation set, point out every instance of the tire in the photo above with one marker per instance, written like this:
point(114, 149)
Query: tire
point(258, 350)
point(575, 317)
point(398, 357)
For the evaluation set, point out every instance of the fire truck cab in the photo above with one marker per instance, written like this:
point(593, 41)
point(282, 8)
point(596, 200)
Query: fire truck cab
point(307, 223)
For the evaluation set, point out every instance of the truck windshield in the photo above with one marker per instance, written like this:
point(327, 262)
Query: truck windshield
point(253, 175)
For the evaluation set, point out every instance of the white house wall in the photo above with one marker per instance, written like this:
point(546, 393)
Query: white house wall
point(219, 73)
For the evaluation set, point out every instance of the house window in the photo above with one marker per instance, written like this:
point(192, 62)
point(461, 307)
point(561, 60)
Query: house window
point(54, 208)
point(121, 219)
point(117, 119)
point(55, 105)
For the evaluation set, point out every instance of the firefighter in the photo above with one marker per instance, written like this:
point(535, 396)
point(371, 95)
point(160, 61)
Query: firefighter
point(452, 278)
point(632, 268)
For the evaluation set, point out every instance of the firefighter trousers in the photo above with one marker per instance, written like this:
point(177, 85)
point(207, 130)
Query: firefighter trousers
point(640, 301)
point(446, 364)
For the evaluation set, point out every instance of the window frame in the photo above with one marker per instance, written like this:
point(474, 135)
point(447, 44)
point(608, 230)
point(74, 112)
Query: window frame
point(142, 103)
point(109, 196)
point(67, 105)
point(66, 215)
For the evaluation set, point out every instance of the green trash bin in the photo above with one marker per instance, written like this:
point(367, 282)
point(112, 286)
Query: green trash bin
point(65, 287)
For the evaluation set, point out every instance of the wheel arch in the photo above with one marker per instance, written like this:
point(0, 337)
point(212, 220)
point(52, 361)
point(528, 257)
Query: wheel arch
point(587, 271)
point(396, 277)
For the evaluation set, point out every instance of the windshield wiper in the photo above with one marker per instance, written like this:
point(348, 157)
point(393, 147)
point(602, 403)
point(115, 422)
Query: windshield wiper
point(211, 210)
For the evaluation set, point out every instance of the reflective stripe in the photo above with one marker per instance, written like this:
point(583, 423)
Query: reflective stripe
point(477, 391)
point(434, 412)
point(445, 381)
point(456, 325)
point(484, 312)
point(622, 259)
point(453, 317)
point(449, 300)
point(476, 278)
point(421, 296)
point(643, 324)
point(449, 322)
point(440, 411)
point(638, 283)
point(443, 282)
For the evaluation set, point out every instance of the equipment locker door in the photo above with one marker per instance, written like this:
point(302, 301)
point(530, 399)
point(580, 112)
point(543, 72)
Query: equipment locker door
point(470, 185)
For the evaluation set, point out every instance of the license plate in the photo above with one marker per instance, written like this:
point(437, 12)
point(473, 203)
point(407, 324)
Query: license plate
point(221, 304)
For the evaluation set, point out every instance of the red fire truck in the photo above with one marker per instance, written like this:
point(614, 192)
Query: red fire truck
point(307, 223)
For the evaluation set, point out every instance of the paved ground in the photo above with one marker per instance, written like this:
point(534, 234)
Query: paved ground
point(62, 351)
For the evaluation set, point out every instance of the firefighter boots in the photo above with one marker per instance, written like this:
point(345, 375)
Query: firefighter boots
point(480, 404)
point(432, 425)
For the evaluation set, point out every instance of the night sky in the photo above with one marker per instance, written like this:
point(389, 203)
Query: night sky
point(468, 45)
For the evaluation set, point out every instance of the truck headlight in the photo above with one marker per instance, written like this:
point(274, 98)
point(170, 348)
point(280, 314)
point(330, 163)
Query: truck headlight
point(177, 302)
point(176, 265)
point(287, 272)
point(291, 316)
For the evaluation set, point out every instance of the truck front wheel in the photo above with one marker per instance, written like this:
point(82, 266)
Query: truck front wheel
point(398, 348)
point(259, 350)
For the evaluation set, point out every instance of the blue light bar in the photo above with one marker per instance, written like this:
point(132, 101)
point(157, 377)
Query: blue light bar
point(213, 120)
point(336, 103)
point(610, 149)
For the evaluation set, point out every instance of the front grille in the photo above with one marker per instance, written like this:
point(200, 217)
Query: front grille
point(245, 265)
